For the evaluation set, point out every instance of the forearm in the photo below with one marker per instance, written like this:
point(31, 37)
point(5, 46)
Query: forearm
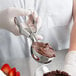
point(73, 38)
point(70, 59)
point(73, 32)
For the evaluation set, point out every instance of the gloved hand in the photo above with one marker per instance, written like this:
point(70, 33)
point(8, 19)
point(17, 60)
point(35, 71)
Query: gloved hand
point(7, 18)
point(70, 63)
point(35, 20)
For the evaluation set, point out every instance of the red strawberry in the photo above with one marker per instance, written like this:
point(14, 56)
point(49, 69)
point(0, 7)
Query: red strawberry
point(6, 68)
point(12, 72)
point(14, 69)
point(17, 73)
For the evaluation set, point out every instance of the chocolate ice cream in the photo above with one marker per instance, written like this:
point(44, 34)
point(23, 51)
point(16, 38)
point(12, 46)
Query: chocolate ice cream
point(44, 49)
point(56, 73)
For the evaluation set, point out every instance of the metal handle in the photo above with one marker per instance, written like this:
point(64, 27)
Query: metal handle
point(20, 21)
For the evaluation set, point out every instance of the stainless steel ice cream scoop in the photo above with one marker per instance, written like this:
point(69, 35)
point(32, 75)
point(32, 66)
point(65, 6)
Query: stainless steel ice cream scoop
point(21, 21)
point(42, 52)
point(40, 58)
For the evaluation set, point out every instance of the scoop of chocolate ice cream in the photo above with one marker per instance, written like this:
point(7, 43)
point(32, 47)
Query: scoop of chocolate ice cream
point(56, 73)
point(44, 49)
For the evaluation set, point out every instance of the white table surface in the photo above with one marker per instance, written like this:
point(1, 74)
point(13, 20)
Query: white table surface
point(27, 66)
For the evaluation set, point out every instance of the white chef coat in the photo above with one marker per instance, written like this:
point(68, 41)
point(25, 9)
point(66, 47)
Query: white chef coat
point(56, 18)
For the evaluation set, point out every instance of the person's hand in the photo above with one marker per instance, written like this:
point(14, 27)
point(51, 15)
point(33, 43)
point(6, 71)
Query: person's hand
point(70, 63)
point(7, 19)
point(34, 22)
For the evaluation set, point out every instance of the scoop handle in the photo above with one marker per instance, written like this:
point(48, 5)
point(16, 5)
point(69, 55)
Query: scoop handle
point(20, 22)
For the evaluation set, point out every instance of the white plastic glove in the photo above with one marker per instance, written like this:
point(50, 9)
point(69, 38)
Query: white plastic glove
point(7, 18)
point(37, 24)
point(70, 63)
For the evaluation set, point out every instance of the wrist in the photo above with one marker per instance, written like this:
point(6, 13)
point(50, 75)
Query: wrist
point(72, 49)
